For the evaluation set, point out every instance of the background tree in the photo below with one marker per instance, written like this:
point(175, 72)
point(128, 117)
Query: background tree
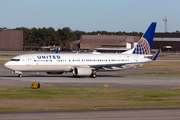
point(61, 37)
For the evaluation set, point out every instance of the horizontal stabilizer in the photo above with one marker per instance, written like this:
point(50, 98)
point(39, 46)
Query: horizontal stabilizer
point(155, 56)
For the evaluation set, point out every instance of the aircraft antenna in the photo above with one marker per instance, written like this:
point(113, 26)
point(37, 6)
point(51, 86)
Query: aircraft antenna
point(165, 20)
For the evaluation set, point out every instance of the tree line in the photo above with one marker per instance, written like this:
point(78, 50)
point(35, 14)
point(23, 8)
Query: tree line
point(61, 37)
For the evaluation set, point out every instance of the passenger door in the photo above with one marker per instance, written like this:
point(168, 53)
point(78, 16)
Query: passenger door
point(28, 61)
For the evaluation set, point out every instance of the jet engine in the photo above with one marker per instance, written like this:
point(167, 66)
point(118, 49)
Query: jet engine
point(54, 72)
point(82, 71)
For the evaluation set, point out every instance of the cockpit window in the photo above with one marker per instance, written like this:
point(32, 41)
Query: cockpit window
point(15, 59)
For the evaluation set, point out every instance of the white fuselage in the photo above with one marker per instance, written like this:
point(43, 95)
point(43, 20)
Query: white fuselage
point(65, 62)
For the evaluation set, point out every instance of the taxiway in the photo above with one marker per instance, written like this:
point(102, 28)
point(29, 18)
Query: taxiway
point(147, 82)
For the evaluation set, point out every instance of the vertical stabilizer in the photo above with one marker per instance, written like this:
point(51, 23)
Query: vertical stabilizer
point(145, 43)
point(57, 50)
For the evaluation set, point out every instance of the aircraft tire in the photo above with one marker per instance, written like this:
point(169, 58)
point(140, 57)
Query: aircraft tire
point(93, 75)
point(20, 75)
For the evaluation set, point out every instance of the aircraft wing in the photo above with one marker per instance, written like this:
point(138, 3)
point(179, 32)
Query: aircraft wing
point(117, 66)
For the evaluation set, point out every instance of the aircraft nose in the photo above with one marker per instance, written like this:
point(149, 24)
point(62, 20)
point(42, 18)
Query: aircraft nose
point(7, 64)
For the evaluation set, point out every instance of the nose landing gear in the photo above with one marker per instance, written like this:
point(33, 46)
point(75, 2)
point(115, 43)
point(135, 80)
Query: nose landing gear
point(20, 75)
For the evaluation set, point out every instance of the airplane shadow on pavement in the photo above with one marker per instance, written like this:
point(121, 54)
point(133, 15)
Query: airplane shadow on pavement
point(53, 76)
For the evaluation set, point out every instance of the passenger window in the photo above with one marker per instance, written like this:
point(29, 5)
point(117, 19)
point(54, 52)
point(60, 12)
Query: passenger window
point(15, 60)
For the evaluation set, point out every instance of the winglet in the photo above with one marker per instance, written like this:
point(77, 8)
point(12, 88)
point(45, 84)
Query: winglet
point(57, 50)
point(155, 56)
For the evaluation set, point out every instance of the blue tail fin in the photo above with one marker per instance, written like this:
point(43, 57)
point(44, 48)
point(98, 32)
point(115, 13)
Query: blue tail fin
point(57, 50)
point(145, 43)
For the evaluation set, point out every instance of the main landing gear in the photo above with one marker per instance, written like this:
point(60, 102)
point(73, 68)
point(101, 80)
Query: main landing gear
point(93, 75)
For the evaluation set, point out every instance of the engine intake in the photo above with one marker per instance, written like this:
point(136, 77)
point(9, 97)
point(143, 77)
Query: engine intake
point(82, 71)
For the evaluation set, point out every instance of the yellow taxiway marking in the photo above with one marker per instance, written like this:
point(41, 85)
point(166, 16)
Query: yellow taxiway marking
point(176, 88)
point(106, 85)
point(46, 84)
point(5, 84)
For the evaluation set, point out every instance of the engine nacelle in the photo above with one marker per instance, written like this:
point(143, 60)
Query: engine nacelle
point(82, 71)
point(54, 72)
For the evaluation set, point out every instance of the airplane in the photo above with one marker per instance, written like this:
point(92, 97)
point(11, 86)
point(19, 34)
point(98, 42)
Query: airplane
point(85, 64)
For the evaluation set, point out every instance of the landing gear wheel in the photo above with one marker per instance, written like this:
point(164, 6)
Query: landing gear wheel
point(20, 75)
point(93, 75)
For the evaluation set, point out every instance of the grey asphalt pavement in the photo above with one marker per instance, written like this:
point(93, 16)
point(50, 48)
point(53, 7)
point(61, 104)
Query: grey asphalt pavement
point(123, 114)
point(150, 82)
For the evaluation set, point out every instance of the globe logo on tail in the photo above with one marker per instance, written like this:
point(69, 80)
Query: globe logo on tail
point(142, 47)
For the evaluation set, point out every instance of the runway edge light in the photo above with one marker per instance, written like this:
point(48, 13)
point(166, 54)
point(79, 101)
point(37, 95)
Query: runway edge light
point(35, 85)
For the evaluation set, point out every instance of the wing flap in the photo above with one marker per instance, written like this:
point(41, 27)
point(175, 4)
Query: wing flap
point(115, 66)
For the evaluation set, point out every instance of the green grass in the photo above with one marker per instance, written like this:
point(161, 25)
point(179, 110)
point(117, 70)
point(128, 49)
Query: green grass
point(19, 93)
point(161, 65)
point(176, 57)
point(61, 98)
point(7, 55)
